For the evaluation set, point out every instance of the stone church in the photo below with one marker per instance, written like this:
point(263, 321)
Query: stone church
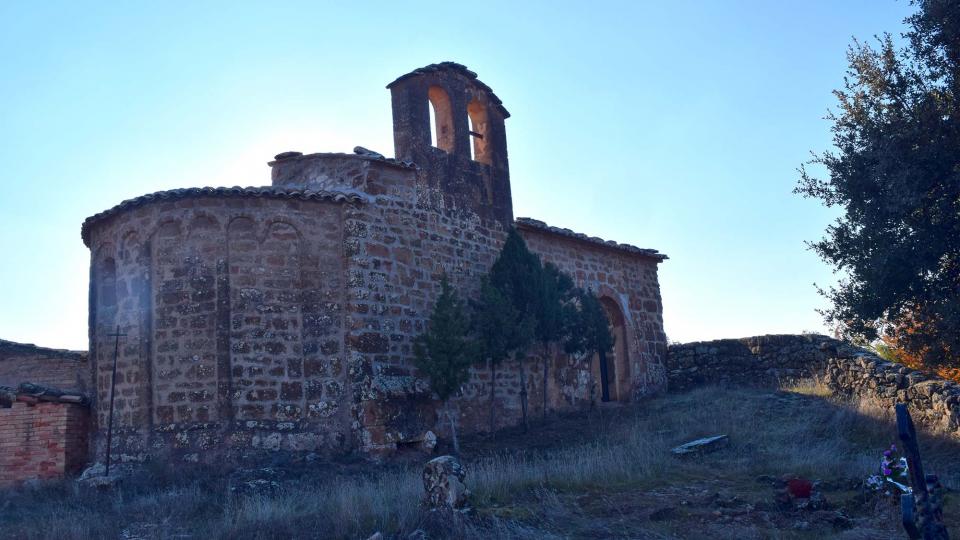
point(281, 318)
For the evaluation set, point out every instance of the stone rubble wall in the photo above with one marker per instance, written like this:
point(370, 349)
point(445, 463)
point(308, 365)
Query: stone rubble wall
point(933, 402)
point(759, 360)
point(849, 371)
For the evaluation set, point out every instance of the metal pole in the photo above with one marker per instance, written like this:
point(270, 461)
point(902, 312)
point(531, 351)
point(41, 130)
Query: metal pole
point(113, 391)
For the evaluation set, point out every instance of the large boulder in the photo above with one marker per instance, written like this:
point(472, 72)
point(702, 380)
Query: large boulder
point(443, 482)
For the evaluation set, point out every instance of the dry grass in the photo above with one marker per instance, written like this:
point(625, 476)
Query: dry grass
point(518, 493)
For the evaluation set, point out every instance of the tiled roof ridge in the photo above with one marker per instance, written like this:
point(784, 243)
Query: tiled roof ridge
point(462, 70)
point(269, 192)
point(6, 345)
point(541, 226)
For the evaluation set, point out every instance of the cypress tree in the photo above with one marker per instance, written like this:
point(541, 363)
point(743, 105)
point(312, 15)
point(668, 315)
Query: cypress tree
point(493, 320)
point(589, 333)
point(444, 352)
point(517, 274)
point(556, 295)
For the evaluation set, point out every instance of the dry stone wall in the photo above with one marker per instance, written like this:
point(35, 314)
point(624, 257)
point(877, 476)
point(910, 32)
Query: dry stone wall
point(933, 402)
point(760, 360)
point(849, 372)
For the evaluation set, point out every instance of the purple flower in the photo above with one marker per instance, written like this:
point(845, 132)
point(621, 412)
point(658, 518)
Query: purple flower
point(893, 447)
point(887, 453)
point(886, 471)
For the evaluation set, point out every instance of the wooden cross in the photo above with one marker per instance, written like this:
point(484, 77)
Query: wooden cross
point(113, 391)
point(922, 510)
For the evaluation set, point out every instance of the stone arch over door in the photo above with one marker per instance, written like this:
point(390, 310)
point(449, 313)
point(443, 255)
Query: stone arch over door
point(618, 361)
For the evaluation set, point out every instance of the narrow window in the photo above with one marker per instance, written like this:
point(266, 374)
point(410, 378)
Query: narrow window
point(479, 133)
point(441, 119)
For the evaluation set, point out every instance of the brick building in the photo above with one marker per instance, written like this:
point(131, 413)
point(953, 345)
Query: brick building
point(43, 412)
point(281, 318)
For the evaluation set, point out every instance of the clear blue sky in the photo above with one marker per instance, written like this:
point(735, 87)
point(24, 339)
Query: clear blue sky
point(672, 125)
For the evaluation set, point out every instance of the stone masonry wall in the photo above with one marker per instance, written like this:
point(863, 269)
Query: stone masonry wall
point(50, 367)
point(233, 313)
point(397, 251)
point(41, 441)
point(628, 287)
point(849, 371)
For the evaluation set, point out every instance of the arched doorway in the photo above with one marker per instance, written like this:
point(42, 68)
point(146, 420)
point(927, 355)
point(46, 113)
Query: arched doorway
point(617, 380)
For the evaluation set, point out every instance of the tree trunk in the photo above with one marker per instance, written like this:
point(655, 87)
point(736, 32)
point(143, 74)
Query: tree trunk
point(604, 383)
point(523, 394)
point(453, 429)
point(546, 368)
point(493, 392)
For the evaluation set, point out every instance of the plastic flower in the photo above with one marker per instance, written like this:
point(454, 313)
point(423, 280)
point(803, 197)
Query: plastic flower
point(887, 471)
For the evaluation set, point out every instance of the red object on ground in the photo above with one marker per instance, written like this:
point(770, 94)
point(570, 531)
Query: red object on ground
point(800, 488)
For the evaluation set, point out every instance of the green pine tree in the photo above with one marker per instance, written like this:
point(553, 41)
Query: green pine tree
point(517, 274)
point(444, 352)
point(588, 333)
point(494, 322)
point(554, 301)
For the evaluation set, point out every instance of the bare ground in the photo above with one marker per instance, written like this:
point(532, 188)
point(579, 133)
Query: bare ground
point(606, 473)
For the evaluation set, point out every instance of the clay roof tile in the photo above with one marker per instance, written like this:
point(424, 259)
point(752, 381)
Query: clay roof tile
point(536, 224)
point(266, 192)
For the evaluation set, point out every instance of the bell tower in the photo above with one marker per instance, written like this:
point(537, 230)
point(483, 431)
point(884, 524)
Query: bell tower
point(451, 125)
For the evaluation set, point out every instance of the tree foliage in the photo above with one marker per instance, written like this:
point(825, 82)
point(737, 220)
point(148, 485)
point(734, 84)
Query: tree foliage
point(589, 331)
point(895, 174)
point(554, 302)
point(444, 352)
point(517, 274)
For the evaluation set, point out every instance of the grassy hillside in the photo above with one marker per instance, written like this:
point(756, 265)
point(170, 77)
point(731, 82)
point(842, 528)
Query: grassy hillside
point(603, 474)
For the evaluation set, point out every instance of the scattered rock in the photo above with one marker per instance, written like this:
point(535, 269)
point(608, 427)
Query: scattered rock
point(429, 442)
point(700, 446)
point(663, 514)
point(94, 476)
point(255, 481)
point(443, 483)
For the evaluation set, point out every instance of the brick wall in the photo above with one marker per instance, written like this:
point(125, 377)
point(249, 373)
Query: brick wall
point(20, 363)
point(41, 441)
